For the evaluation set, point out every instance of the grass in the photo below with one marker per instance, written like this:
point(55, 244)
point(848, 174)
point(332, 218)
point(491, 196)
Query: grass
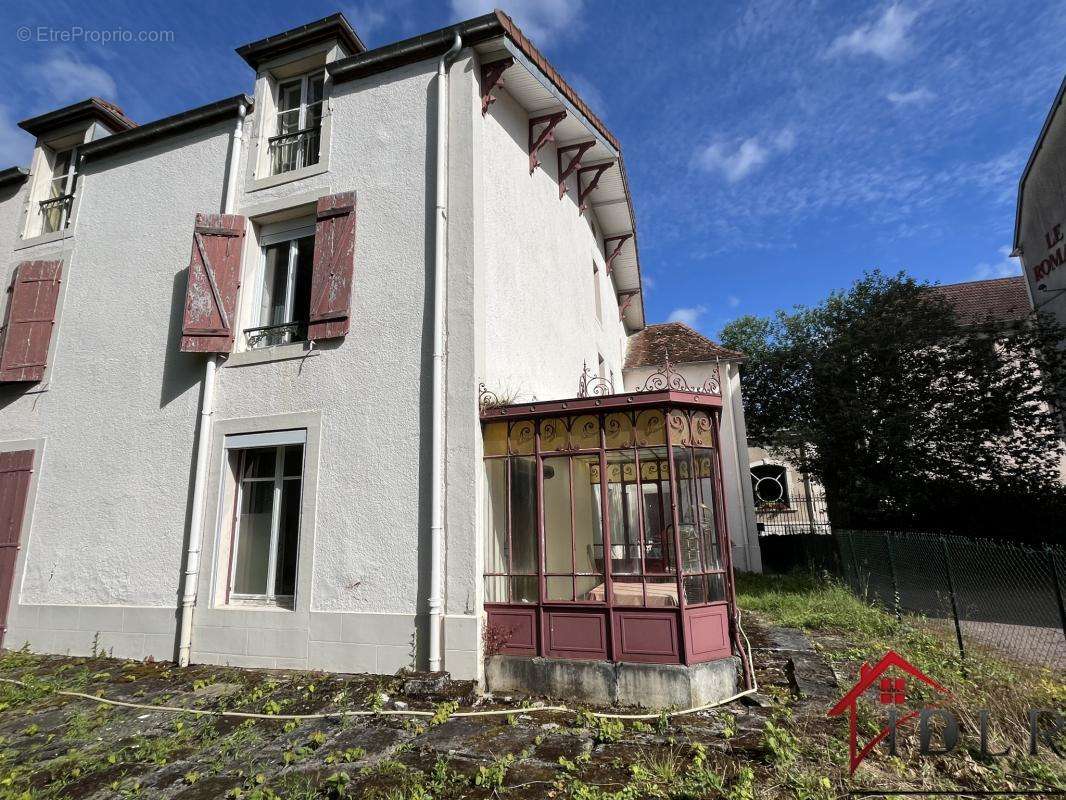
point(792, 752)
point(848, 631)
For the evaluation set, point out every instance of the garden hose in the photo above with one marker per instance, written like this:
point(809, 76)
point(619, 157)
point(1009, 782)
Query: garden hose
point(406, 712)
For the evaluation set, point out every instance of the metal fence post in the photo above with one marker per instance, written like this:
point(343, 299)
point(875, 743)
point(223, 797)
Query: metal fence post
point(896, 602)
point(951, 589)
point(1053, 563)
point(855, 566)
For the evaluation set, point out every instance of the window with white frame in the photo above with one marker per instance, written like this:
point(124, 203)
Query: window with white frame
point(265, 476)
point(283, 289)
point(296, 142)
point(55, 206)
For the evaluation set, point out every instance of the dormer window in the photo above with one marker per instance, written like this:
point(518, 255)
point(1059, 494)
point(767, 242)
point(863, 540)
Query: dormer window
point(298, 129)
point(56, 206)
point(60, 134)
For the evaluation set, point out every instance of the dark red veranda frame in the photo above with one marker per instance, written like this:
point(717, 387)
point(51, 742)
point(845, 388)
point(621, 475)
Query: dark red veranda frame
point(686, 634)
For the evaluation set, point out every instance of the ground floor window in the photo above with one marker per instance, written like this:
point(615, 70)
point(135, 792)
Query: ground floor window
point(265, 473)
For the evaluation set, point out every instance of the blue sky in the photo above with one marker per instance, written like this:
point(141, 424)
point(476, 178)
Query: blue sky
point(775, 150)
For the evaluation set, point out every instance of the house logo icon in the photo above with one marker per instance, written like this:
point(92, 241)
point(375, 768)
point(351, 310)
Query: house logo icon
point(891, 691)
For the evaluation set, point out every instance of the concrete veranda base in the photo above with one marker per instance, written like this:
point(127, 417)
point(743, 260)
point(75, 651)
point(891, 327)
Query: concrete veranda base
point(604, 683)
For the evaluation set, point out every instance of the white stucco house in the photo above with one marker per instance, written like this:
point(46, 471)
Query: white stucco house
point(256, 358)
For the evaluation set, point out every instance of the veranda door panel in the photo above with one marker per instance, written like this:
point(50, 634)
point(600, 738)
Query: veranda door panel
point(575, 634)
point(707, 633)
point(647, 637)
point(15, 470)
point(513, 631)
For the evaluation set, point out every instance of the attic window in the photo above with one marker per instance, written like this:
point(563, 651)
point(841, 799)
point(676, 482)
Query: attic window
point(56, 205)
point(298, 123)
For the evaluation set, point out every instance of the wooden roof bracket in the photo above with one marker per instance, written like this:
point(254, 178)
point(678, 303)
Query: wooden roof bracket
point(619, 242)
point(625, 299)
point(549, 121)
point(491, 77)
point(597, 173)
point(579, 150)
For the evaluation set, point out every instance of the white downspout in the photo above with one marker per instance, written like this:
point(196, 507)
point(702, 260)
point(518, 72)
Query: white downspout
point(436, 529)
point(203, 442)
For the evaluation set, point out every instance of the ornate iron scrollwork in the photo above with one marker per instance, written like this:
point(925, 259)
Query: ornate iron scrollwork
point(666, 378)
point(593, 385)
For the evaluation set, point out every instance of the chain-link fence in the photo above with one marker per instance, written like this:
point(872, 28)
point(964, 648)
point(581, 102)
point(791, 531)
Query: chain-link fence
point(987, 593)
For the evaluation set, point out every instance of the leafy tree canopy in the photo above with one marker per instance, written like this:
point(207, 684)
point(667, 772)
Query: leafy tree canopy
point(907, 417)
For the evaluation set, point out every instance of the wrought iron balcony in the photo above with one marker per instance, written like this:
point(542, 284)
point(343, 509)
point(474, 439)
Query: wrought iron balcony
point(55, 213)
point(273, 335)
point(294, 150)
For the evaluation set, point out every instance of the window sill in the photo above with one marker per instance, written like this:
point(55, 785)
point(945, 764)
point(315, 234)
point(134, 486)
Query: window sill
point(266, 355)
point(45, 238)
point(260, 603)
point(288, 177)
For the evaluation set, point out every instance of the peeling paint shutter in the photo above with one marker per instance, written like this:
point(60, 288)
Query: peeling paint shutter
point(331, 281)
point(214, 277)
point(15, 469)
point(31, 313)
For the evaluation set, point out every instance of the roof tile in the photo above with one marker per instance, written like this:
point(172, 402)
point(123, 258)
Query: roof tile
point(651, 346)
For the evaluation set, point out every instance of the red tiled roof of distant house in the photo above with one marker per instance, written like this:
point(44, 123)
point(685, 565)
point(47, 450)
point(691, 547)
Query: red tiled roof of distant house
point(651, 346)
point(998, 300)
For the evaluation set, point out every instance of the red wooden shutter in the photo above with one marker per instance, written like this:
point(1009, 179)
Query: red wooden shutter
point(31, 313)
point(214, 277)
point(331, 281)
point(15, 469)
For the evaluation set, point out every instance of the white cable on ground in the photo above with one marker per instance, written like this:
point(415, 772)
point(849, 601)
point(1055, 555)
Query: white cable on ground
point(405, 713)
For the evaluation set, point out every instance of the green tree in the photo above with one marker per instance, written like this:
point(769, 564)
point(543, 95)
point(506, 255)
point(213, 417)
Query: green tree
point(907, 417)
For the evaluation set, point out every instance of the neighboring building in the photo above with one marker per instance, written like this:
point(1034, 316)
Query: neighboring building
point(270, 452)
point(1001, 302)
point(653, 352)
point(1040, 221)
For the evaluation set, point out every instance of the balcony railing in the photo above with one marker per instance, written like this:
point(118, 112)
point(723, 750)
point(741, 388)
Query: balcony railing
point(55, 213)
point(273, 335)
point(294, 150)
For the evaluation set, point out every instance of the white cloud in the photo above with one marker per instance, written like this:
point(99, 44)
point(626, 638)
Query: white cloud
point(540, 20)
point(15, 146)
point(689, 316)
point(589, 92)
point(737, 162)
point(64, 78)
point(885, 38)
point(365, 18)
point(647, 281)
point(915, 97)
point(1006, 267)
point(733, 301)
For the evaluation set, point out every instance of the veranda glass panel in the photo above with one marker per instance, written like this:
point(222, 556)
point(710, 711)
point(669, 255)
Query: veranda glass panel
point(496, 538)
point(558, 544)
point(658, 518)
point(524, 555)
point(704, 469)
point(661, 592)
point(688, 532)
point(623, 501)
point(588, 529)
